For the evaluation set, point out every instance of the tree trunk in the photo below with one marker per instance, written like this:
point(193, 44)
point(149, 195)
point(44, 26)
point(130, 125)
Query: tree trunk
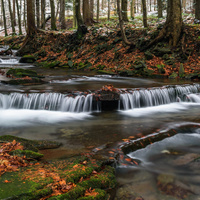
point(97, 10)
point(4, 17)
point(86, 13)
point(14, 13)
point(11, 17)
point(62, 14)
point(38, 13)
point(173, 26)
point(124, 5)
point(132, 9)
point(92, 9)
point(78, 13)
point(19, 18)
point(197, 10)
point(154, 5)
point(159, 2)
point(53, 18)
point(144, 8)
point(121, 23)
point(31, 28)
point(25, 14)
point(102, 5)
point(43, 5)
point(108, 9)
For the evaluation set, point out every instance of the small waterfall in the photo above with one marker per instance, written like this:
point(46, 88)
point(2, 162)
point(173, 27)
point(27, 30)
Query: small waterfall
point(9, 61)
point(138, 98)
point(47, 101)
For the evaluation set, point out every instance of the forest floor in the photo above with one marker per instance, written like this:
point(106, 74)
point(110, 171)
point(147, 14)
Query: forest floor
point(103, 50)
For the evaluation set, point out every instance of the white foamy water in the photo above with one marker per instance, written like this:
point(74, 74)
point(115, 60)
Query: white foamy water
point(9, 61)
point(23, 117)
point(167, 108)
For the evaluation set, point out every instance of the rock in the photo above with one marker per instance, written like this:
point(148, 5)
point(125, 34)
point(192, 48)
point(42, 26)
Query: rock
point(27, 59)
point(106, 72)
point(160, 51)
point(148, 55)
point(126, 73)
point(173, 75)
point(28, 153)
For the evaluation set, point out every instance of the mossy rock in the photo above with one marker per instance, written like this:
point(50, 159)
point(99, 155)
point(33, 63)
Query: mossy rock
point(25, 81)
point(50, 64)
point(28, 153)
point(148, 55)
point(27, 59)
point(32, 145)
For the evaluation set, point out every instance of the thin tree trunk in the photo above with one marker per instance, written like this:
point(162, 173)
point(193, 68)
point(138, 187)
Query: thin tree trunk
point(144, 8)
point(11, 17)
point(57, 10)
point(102, 5)
point(38, 13)
point(197, 10)
point(43, 4)
point(108, 9)
point(154, 5)
point(92, 9)
point(62, 14)
point(19, 18)
point(53, 18)
point(97, 10)
point(86, 13)
point(31, 28)
point(124, 4)
point(160, 6)
point(121, 23)
point(184, 4)
point(25, 14)
point(14, 14)
point(79, 18)
point(132, 9)
point(4, 17)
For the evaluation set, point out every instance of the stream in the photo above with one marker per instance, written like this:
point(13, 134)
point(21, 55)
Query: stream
point(167, 169)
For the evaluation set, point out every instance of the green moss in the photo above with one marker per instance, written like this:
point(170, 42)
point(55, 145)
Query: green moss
point(28, 153)
point(33, 145)
point(73, 194)
point(102, 195)
point(50, 64)
point(27, 59)
point(106, 72)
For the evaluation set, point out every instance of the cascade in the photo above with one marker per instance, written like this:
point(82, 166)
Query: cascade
point(138, 98)
point(47, 101)
point(9, 61)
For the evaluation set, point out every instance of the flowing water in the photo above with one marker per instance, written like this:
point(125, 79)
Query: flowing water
point(64, 109)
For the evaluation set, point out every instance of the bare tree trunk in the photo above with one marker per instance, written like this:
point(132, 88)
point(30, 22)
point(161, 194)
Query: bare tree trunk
point(38, 13)
point(86, 13)
point(132, 9)
point(4, 17)
point(154, 5)
point(19, 18)
point(144, 8)
point(14, 14)
point(57, 10)
point(62, 14)
point(31, 28)
point(78, 13)
point(197, 10)
point(92, 9)
point(173, 25)
point(102, 4)
point(11, 17)
point(121, 23)
point(97, 10)
point(108, 9)
point(160, 6)
point(53, 18)
point(43, 5)
point(124, 5)
point(25, 14)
